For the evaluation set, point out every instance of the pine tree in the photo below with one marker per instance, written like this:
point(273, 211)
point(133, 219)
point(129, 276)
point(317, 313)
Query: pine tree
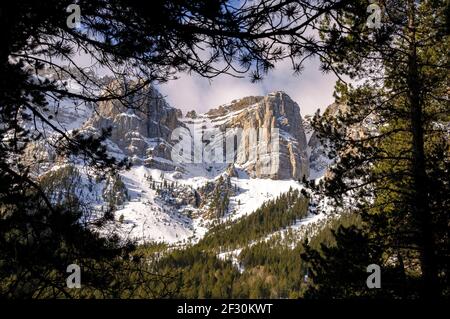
point(391, 138)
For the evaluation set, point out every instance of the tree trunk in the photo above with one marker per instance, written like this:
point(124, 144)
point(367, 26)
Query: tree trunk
point(420, 198)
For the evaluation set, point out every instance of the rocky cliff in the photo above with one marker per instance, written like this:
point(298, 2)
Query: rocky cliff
point(265, 155)
point(141, 124)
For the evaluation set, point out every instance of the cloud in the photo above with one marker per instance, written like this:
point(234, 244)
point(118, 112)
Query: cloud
point(311, 89)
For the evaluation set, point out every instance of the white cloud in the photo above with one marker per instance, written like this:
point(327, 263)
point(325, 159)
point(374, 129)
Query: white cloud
point(311, 89)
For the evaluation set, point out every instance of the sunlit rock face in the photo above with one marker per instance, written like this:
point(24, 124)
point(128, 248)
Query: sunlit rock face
point(141, 124)
point(276, 154)
point(272, 143)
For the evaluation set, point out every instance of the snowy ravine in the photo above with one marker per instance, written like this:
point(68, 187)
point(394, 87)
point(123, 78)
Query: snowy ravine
point(310, 223)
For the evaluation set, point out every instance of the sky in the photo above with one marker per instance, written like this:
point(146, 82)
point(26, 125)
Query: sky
point(311, 89)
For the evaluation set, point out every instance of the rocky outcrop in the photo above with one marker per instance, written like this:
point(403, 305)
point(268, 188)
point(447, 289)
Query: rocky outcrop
point(235, 105)
point(191, 114)
point(231, 171)
point(179, 113)
point(260, 155)
point(179, 196)
point(215, 197)
point(141, 123)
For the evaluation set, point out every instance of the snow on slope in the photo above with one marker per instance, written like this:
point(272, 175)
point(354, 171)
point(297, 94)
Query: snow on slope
point(145, 218)
point(301, 229)
point(254, 192)
point(64, 114)
point(233, 256)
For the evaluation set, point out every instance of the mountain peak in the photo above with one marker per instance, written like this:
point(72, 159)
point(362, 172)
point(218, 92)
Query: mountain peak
point(235, 105)
point(278, 93)
point(264, 114)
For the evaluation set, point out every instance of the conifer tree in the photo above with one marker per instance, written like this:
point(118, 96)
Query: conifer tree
point(391, 137)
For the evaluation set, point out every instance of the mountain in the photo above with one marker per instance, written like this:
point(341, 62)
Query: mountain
point(143, 132)
point(141, 125)
point(261, 115)
point(173, 198)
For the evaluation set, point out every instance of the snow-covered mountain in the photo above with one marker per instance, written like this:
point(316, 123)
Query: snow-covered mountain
point(232, 159)
point(273, 139)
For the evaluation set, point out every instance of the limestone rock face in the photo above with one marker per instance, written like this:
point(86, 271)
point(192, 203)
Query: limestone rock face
point(272, 142)
point(141, 124)
point(263, 154)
